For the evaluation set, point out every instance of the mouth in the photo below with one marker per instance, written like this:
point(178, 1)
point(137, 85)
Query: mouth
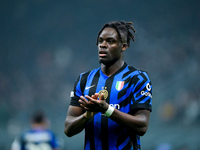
point(102, 53)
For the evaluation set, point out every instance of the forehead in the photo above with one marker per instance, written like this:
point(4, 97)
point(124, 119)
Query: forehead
point(109, 33)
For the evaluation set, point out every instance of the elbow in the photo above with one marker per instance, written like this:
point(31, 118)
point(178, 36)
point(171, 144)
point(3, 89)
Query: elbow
point(143, 127)
point(67, 133)
point(142, 131)
point(67, 130)
point(137, 131)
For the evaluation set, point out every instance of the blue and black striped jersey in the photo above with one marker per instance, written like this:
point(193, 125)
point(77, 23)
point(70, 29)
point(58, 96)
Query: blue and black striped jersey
point(127, 90)
point(37, 139)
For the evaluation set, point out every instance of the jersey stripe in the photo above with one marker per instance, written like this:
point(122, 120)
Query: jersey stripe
point(92, 90)
point(104, 132)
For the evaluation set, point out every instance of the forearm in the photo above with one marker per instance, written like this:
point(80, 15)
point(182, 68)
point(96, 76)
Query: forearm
point(74, 125)
point(137, 123)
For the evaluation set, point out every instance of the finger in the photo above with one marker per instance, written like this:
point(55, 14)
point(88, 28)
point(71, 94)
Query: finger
point(91, 100)
point(102, 97)
point(84, 106)
point(81, 102)
point(83, 99)
point(86, 103)
point(96, 95)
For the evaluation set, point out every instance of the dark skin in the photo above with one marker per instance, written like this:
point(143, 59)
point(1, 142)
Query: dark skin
point(111, 59)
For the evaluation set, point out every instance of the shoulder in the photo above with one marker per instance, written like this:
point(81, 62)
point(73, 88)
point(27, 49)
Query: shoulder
point(138, 76)
point(136, 71)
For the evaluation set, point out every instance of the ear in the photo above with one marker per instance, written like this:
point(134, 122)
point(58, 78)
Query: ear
point(124, 46)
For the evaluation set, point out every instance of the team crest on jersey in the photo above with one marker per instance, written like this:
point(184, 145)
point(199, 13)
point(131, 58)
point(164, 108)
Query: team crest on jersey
point(104, 92)
point(119, 85)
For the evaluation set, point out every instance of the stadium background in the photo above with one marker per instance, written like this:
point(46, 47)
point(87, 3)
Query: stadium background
point(45, 44)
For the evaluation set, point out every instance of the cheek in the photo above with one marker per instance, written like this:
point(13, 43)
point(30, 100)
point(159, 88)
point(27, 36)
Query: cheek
point(116, 52)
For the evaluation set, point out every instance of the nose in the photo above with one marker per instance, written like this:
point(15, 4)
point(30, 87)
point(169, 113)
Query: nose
point(103, 44)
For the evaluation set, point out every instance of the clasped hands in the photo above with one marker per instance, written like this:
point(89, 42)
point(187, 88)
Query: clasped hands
point(93, 105)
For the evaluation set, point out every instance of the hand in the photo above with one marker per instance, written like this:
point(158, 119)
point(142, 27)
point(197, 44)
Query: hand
point(90, 114)
point(93, 104)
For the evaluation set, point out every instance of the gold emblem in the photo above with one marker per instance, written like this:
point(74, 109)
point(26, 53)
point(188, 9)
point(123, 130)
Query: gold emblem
point(104, 92)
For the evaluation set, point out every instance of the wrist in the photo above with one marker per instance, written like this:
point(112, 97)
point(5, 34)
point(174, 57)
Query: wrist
point(109, 111)
point(88, 115)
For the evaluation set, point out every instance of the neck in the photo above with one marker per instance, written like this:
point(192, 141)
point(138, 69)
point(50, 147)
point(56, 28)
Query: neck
point(111, 69)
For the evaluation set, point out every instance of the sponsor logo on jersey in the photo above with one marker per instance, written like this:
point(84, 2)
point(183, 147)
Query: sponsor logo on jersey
point(119, 85)
point(117, 106)
point(88, 87)
point(147, 93)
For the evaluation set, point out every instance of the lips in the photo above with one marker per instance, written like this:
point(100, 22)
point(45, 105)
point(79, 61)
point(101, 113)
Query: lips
point(102, 53)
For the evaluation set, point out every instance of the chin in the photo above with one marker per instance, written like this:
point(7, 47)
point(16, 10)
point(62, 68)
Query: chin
point(103, 61)
point(106, 63)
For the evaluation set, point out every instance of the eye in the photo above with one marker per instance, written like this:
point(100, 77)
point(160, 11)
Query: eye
point(100, 40)
point(111, 41)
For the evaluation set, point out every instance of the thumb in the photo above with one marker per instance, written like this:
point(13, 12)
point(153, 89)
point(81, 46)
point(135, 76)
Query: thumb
point(102, 97)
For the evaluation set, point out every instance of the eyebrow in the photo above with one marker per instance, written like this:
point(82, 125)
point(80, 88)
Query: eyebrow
point(108, 38)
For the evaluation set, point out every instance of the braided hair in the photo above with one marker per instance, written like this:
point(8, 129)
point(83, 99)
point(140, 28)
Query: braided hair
point(121, 27)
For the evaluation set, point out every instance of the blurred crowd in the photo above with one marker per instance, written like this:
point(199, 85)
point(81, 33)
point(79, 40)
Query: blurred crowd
point(48, 82)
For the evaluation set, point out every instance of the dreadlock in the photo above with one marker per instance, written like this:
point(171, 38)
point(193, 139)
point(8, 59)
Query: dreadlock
point(121, 27)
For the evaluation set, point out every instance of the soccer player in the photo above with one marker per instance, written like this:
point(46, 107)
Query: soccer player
point(39, 137)
point(112, 103)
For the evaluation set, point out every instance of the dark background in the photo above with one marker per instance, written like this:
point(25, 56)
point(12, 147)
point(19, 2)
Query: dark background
point(46, 44)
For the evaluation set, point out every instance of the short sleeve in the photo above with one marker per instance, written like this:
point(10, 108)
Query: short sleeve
point(76, 93)
point(79, 87)
point(142, 93)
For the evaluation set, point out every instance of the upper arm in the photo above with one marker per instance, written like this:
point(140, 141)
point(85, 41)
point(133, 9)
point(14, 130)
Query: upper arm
point(74, 111)
point(74, 122)
point(144, 114)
